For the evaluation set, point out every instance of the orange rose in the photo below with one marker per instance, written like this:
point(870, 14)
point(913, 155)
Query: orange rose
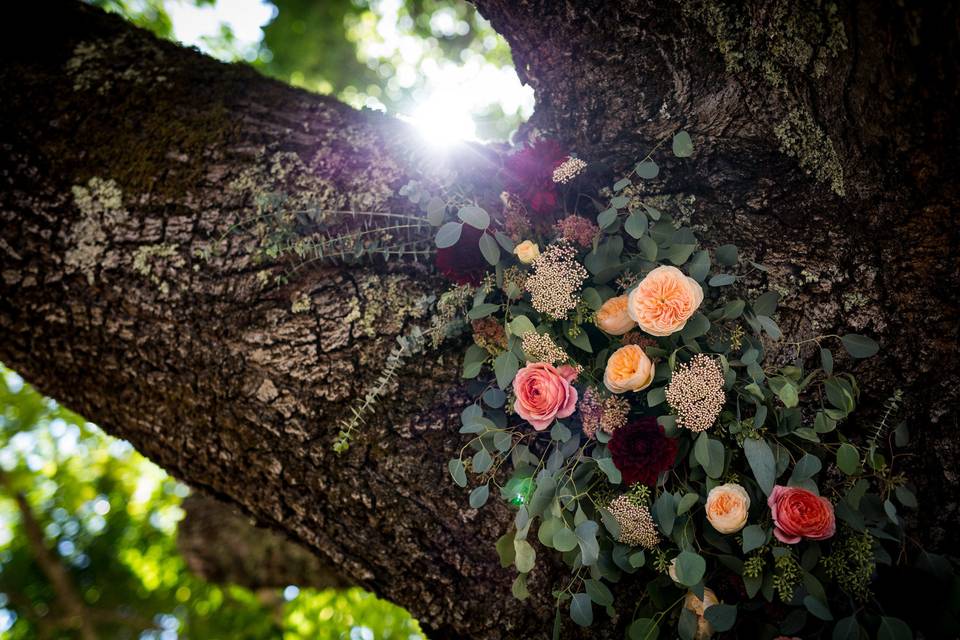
point(628, 369)
point(727, 507)
point(664, 300)
point(613, 317)
point(698, 606)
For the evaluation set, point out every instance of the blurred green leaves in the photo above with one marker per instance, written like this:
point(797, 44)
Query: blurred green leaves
point(110, 517)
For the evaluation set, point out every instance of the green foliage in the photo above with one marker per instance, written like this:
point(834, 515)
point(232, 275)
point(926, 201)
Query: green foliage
point(110, 517)
point(775, 425)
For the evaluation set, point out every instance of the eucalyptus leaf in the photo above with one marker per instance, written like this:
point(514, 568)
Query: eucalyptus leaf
point(526, 557)
point(806, 467)
point(682, 145)
point(599, 592)
point(436, 209)
point(848, 459)
point(636, 224)
point(565, 540)
point(490, 249)
point(581, 609)
point(721, 616)
point(482, 461)
point(519, 588)
point(607, 218)
point(846, 629)
point(726, 255)
point(754, 537)
point(613, 474)
point(690, 568)
point(448, 235)
point(760, 457)
point(818, 608)
point(647, 169)
point(893, 629)
point(766, 303)
point(722, 280)
point(458, 472)
point(699, 266)
point(589, 545)
point(859, 346)
point(474, 216)
point(479, 496)
point(643, 629)
point(505, 367)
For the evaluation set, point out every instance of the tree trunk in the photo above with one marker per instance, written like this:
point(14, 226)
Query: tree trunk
point(826, 149)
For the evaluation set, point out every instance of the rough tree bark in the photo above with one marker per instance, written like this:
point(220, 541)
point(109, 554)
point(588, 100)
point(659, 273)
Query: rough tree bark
point(826, 148)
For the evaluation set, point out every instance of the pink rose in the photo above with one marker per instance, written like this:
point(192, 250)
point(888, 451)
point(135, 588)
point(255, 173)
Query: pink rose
point(544, 393)
point(800, 514)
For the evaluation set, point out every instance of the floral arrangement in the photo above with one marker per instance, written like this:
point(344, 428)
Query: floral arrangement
point(627, 409)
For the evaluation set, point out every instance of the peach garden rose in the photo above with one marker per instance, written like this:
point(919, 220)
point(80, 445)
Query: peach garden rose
point(527, 251)
point(544, 393)
point(613, 318)
point(628, 369)
point(664, 300)
point(727, 507)
point(799, 514)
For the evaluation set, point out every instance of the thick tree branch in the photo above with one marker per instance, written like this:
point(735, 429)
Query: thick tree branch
point(222, 546)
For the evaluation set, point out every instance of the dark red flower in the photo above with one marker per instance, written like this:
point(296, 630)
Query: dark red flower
point(641, 451)
point(528, 174)
point(463, 263)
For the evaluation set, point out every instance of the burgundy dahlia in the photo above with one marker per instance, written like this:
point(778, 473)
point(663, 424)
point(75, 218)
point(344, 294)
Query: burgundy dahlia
point(641, 451)
point(529, 174)
point(463, 263)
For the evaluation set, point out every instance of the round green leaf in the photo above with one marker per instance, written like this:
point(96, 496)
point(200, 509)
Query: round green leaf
point(458, 472)
point(636, 224)
point(817, 608)
point(690, 568)
point(565, 540)
point(848, 459)
point(760, 457)
point(847, 629)
point(648, 169)
point(448, 235)
point(482, 461)
point(893, 629)
point(754, 537)
point(490, 249)
point(526, 556)
point(643, 629)
point(722, 280)
point(859, 346)
point(474, 216)
point(599, 592)
point(721, 616)
point(581, 609)
point(478, 497)
point(682, 145)
point(436, 208)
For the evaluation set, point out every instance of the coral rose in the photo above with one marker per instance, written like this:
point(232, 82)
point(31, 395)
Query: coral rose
point(664, 300)
point(800, 514)
point(628, 369)
point(698, 606)
point(544, 393)
point(641, 451)
point(527, 251)
point(727, 507)
point(613, 317)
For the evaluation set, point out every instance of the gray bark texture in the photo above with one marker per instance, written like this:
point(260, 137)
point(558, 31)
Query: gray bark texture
point(826, 148)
